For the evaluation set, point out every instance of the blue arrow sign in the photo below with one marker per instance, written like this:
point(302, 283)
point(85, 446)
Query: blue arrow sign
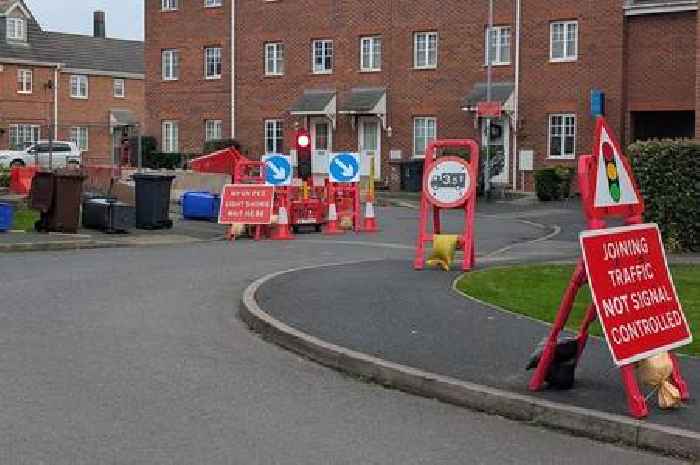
point(278, 170)
point(344, 167)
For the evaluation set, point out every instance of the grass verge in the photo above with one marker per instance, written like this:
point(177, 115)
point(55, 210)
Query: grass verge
point(536, 291)
point(25, 219)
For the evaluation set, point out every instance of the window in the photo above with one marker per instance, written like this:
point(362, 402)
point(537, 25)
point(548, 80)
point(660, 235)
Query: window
point(119, 88)
point(563, 41)
point(425, 50)
point(23, 135)
point(213, 3)
point(213, 128)
point(79, 136)
point(498, 43)
point(79, 86)
point(274, 59)
point(212, 62)
point(562, 136)
point(168, 5)
point(323, 56)
point(424, 132)
point(371, 54)
point(274, 136)
point(16, 29)
point(171, 65)
point(24, 81)
point(170, 134)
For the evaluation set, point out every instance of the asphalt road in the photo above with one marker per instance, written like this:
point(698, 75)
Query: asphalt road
point(135, 356)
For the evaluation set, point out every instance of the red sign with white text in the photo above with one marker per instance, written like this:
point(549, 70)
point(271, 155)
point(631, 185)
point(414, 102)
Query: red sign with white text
point(489, 109)
point(634, 294)
point(246, 204)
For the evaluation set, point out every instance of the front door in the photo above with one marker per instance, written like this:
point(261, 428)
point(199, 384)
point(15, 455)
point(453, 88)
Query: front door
point(498, 141)
point(370, 145)
point(321, 144)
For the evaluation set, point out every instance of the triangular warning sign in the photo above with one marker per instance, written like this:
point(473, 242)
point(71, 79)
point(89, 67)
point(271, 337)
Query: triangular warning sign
point(614, 185)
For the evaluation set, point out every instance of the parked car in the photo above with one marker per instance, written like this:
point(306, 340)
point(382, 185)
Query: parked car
point(58, 154)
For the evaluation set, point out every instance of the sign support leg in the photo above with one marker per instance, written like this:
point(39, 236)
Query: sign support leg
point(437, 225)
point(636, 403)
point(419, 261)
point(582, 338)
point(678, 378)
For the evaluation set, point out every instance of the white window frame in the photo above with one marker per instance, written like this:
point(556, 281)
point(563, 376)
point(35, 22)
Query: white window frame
point(562, 135)
point(274, 131)
point(327, 51)
point(213, 3)
point(16, 29)
point(76, 86)
point(423, 120)
point(168, 5)
point(213, 129)
point(274, 55)
point(170, 64)
point(503, 40)
point(426, 52)
point(212, 56)
point(119, 84)
point(170, 136)
point(19, 132)
point(568, 55)
point(25, 78)
point(80, 136)
point(370, 66)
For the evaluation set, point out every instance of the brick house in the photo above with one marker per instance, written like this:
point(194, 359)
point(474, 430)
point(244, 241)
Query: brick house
point(89, 89)
point(386, 76)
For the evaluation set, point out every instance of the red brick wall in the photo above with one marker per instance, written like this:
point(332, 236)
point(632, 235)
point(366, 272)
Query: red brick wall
point(192, 99)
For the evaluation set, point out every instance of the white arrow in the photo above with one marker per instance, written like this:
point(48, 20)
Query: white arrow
point(348, 172)
point(279, 174)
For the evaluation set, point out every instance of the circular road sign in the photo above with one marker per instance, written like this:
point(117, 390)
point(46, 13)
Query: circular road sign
point(448, 183)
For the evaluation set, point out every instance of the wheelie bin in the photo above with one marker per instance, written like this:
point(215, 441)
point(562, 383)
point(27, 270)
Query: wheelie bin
point(57, 197)
point(153, 201)
point(6, 216)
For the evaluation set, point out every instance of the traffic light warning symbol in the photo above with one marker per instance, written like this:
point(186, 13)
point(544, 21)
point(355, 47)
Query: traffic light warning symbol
point(613, 184)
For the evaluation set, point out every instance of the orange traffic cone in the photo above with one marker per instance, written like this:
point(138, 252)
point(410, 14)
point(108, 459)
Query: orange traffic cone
point(332, 225)
point(370, 223)
point(281, 230)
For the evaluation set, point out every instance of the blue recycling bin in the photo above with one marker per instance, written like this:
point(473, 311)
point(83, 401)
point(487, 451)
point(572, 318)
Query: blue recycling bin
point(7, 212)
point(200, 206)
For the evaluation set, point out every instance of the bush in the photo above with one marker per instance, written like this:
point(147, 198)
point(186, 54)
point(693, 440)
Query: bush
point(220, 144)
point(168, 161)
point(4, 178)
point(668, 173)
point(553, 183)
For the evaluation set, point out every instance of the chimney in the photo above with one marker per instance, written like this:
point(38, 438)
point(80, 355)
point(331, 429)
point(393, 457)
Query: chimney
point(99, 24)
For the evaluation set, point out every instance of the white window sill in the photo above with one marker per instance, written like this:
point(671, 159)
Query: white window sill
point(505, 63)
point(79, 97)
point(563, 60)
point(330, 71)
point(370, 70)
point(170, 79)
point(561, 157)
point(24, 92)
point(212, 78)
point(274, 74)
point(421, 68)
point(169, 10)
point(120, 96)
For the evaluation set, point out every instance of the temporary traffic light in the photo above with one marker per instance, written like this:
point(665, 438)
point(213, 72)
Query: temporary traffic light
point(612, 172)
point(302, 143)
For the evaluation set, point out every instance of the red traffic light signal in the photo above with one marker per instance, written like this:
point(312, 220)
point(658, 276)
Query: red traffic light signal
point(303, 141)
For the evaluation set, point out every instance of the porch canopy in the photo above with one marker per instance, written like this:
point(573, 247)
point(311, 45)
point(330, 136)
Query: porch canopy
point(365, 101)
point(500, 92)
point(315, 102)
point(122, 118)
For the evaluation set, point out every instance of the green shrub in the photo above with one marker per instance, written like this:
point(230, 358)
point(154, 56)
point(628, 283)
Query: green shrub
point(220, 144)
point(168, 161)
point(4, 178)
point(668, 173)
point(553, 183)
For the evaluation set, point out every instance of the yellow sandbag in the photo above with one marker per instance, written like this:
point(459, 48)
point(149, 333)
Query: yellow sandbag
point(444, 247)
point(656, 372)
point(237, 229)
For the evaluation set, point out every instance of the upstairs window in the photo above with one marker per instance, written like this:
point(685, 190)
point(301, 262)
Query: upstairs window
point(24, 81)
point(213, 3)
point(371, 54)
point(322, 51)
point(16, 29)
point(171, 65)
point(274, 59)
point(563, 41)
point(498, 45)
point(119, 88)
point(168, 5)
point(425, 50)
point(212, 62)
point(79, 86)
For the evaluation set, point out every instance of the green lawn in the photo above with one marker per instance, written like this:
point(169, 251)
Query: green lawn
point(25, 219)
point(536, 291)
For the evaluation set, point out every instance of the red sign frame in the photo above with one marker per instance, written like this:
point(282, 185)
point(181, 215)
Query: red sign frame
point(246, 204)
point(632, 288)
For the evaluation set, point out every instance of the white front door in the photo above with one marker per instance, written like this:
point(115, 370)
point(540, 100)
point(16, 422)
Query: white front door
point(321, 144)
point(499, 144)
point(370, 145)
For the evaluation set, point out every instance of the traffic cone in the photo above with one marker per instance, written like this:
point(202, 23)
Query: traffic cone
point(370, 222)
point(281, 230)
point(332, 225)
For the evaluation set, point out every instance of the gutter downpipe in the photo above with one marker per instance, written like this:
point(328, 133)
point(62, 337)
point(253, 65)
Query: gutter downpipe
point(233, 69)
point(516, 96)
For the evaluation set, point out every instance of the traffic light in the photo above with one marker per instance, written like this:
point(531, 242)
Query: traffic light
point(302, 143)
point(612, 172)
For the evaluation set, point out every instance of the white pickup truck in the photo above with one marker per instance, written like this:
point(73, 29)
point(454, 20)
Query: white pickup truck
point(58, 154)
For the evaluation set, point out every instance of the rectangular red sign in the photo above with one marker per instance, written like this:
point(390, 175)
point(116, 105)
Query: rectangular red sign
point(488, 109)
point(634, 294)
point(246, 204)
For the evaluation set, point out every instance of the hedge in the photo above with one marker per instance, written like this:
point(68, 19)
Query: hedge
point(4, 177)
point(220, 144)
point(553, 183)
point(668, 173)
point(168, 161)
